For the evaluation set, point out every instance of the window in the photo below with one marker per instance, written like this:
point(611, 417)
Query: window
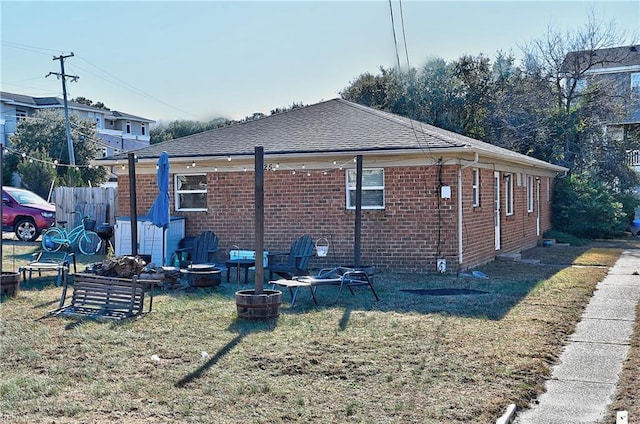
point(476, 187)
point(21, 114)
point(372, 189)
point(98, 122)
point(635, 81)
point(581, 85)
point(191, 192)
point(529, 193)
point(508, 195)
point(128, 130)
point(143, 129)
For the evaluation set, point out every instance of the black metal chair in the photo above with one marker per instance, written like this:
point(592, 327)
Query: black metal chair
point(294, 262)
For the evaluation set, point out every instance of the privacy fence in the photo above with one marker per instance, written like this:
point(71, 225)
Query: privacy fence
point(100, 204)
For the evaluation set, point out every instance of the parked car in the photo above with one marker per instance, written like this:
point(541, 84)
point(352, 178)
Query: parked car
point(634, 227)
point(26, 213)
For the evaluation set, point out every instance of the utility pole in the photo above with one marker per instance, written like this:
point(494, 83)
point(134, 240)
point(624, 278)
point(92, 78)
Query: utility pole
point(63, 77)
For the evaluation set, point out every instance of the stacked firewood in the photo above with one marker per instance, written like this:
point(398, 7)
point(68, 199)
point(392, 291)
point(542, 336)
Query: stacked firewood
point(121, 266)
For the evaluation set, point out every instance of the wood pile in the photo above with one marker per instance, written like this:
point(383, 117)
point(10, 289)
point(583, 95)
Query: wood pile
point(121, 266)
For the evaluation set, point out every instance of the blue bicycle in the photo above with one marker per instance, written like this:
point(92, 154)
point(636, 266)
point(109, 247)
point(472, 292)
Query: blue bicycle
point(89, 242)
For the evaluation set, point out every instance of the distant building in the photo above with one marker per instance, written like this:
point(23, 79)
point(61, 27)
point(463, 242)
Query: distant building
point(619, 69)
point(120, 132)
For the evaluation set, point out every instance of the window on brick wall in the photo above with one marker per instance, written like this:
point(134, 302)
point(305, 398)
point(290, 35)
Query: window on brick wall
point(529, 193)
point(372, 188)
point(476, 187)
point(191, 192)
point(508, 194)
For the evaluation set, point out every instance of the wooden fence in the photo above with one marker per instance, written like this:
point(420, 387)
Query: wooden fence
point(97, 203)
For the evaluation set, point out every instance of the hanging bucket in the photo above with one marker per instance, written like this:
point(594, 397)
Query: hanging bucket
point(322, 247)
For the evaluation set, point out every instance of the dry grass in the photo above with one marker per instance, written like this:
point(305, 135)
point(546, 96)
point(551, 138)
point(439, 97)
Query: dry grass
point(407, 358)
point(628, 396)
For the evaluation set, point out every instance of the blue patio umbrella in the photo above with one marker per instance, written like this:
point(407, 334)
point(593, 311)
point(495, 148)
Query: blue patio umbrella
point(159, 212)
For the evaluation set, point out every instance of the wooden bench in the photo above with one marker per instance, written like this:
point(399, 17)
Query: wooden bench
point(96, 296)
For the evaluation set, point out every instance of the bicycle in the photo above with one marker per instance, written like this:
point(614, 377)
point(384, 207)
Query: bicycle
point(89, 242)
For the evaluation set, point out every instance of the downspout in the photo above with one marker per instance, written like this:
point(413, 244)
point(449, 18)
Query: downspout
point(475, 162)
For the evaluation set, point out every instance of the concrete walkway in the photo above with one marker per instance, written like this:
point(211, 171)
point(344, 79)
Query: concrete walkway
point(583, 383)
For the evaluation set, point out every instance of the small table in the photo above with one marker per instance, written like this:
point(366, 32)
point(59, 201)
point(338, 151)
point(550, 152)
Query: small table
point(237, 264)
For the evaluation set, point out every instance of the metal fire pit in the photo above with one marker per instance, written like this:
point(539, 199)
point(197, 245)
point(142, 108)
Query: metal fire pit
point(202, 275)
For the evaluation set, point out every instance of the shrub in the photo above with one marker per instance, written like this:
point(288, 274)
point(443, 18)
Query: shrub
point(587, 209)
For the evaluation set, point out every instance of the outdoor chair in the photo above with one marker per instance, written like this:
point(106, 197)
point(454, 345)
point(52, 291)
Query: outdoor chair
point(202, 250)
point(294, 262)
point(340, 276)
point(59, 262)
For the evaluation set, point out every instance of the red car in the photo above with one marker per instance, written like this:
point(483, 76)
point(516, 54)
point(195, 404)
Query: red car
point(26, 213)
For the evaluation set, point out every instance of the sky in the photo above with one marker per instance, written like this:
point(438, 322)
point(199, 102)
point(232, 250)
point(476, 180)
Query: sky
point(199, 60)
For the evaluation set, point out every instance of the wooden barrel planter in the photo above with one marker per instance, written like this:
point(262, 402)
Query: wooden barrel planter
point(9, 284)
point(258, 306)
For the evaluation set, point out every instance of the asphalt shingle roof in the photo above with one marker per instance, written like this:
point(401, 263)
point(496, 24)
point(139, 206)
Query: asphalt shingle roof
point(40, 102)
point(599, 59)
point(331, 126)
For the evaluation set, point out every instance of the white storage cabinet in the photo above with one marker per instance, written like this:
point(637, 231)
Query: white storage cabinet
point(150, 238)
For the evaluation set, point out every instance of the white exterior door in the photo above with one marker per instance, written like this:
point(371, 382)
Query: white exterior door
point(496, 208)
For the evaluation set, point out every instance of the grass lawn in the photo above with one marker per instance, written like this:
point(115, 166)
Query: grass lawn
point(408, 358)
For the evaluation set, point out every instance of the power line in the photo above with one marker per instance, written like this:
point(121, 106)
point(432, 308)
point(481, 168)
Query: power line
point(393, 29)
point(126, 85)
point(32, 49)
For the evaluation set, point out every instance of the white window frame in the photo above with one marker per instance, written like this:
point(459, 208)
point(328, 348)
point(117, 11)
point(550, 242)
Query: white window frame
point(475, 187)
point(350, 188)
point(529, 193)
point(508, 194)
point(178, 192)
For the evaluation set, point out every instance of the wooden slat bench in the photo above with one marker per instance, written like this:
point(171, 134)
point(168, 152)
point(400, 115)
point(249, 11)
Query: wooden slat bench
point(96, 296)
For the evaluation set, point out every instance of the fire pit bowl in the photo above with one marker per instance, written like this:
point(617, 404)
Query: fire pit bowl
point(202, 275)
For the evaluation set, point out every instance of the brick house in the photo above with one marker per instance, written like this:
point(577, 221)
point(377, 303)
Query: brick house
point(428, 193)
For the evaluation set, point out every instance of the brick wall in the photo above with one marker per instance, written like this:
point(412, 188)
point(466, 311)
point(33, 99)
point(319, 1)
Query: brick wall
point(416, 227)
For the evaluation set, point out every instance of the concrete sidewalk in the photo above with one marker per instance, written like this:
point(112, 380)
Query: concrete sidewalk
point(583, 383)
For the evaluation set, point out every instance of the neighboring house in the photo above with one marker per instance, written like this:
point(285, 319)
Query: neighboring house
point(617, 68)
point(119, 132)
point(428, 194)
